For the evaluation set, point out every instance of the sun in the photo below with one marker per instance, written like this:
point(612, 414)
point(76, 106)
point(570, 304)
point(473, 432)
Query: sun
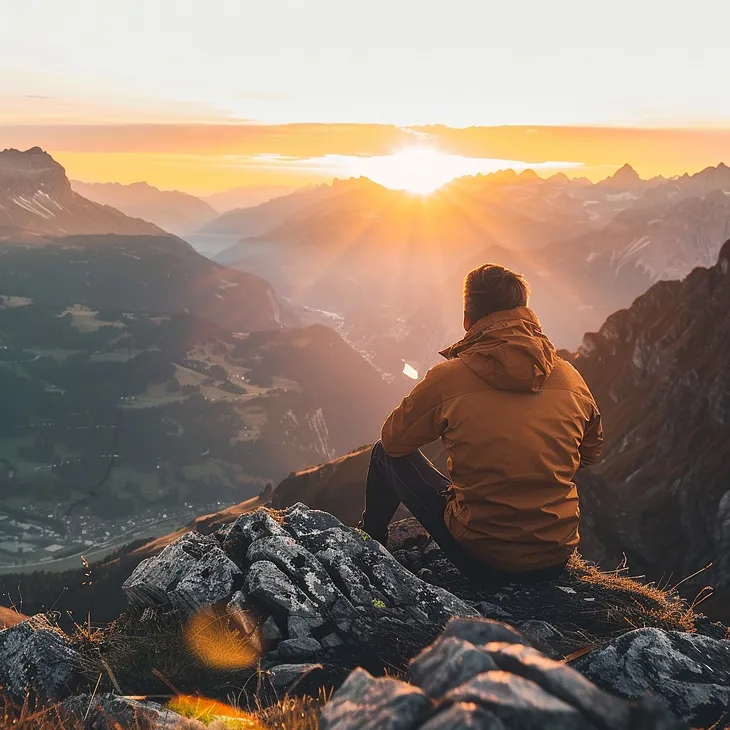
point(418, 170)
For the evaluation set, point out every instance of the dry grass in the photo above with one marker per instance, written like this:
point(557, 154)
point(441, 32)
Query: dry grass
point(289, 713)
point(632, 603)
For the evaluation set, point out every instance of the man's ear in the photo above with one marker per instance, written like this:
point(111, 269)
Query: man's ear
point(467, 322)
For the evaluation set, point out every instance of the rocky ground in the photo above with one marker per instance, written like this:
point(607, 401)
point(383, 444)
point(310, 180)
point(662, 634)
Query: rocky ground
point(294, 601)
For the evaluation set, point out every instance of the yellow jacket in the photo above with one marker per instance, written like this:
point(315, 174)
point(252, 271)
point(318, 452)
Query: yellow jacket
point(516, 422)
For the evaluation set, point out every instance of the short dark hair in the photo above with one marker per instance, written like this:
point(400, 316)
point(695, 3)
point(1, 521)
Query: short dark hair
point(492, 288)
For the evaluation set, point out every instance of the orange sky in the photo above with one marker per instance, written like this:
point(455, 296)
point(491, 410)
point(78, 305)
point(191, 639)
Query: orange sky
point(208, 157)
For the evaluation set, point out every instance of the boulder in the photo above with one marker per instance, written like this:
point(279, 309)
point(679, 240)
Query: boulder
point(519, 703)
point(286, 676)
point(603, 710)
point(299, 648)
point(366, 703)
point(37, 658)
point(689, 673)
point(191, 573)
point(446, 664)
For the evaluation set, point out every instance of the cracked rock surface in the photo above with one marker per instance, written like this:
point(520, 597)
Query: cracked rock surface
point(458, 684)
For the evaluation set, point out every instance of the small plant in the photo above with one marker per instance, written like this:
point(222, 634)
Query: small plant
point(377, 603)
point(364, 535)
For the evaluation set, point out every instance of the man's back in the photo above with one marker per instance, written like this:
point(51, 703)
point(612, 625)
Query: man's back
point(516, 421)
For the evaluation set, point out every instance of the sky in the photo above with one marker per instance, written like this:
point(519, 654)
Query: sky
point(206, 95)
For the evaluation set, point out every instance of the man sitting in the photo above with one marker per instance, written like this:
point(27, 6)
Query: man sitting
point(516, 422)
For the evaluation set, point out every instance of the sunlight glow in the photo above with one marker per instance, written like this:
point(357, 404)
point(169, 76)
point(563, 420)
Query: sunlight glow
point(423, 169)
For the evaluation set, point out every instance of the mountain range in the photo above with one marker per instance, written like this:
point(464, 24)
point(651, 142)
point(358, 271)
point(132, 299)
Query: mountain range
point(390, 264)
point(171, 210)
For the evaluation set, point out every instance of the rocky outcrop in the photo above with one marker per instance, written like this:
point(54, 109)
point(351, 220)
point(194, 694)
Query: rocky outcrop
point(190, 574)
point(37, 659)
point(480, 675)
point(311, 599)
point(321, 584)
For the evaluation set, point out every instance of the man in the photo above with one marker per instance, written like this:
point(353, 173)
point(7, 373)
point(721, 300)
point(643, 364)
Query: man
point(516, 422)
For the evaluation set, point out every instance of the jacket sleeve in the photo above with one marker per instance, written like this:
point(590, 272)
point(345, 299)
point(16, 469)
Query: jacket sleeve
point(592, 445)
point(416, 421)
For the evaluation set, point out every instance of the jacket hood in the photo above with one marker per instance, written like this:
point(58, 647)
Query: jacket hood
point(507, 350)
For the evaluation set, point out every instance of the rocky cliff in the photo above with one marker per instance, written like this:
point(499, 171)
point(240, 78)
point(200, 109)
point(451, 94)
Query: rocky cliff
point(660, 371)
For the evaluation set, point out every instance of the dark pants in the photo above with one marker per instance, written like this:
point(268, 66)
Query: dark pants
point(423, 489)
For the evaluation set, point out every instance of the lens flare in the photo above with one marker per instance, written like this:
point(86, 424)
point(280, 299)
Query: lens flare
point(224, 640)
point(208, 711)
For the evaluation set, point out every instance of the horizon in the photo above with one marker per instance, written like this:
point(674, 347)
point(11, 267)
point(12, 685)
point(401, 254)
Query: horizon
point(549, 171)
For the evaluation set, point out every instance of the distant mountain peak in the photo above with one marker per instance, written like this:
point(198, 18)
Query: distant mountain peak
point(529, 175)
point(626, 173)
point(36, 198)
point(559, 177)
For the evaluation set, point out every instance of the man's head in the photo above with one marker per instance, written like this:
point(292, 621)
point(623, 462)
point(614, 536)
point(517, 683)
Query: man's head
point(491, 288)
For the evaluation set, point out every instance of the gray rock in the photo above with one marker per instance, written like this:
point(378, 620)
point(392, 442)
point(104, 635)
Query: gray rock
point(300, 520)
point(366, 703)
point(270, 630)
point(112, 712)
point(464, 716)
point(446, 664)
point(301, 628)
point(285, 676)
point(398, 585)
point(518, 702)
point(604, 710)
point(266, 582)
point(539, 631)
point(483, 631)
point(250, 527)
point(688, 672)
point(331, 640)
point(491, 610)
point(299, 648)
point(189, 574)
point(299, 564)
point(37, 658)
point(356, 584)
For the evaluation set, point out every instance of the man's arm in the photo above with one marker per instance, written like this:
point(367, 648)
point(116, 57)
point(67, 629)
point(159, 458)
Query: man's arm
point(592, 445)
point(416, 421)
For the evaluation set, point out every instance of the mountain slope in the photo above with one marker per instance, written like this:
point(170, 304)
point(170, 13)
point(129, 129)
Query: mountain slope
point(171, 210)
point(151, 274)
point(36, 199)
point(661, 373)
point(246, 196)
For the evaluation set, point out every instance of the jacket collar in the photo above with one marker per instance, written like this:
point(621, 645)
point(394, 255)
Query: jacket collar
point(487, 323)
